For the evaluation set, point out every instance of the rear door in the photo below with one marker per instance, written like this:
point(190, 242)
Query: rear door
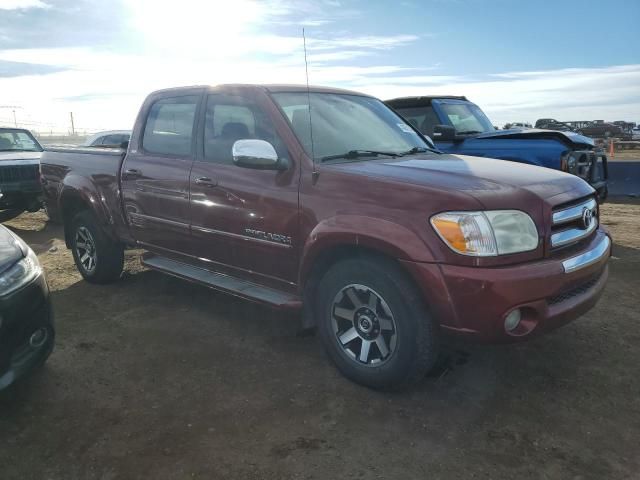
point(243, 220)
point(155, 173)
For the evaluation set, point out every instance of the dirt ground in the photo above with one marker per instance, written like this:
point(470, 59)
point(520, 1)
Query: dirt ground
point(153, 377)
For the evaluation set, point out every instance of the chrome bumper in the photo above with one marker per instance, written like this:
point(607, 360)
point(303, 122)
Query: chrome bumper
point(588, 258)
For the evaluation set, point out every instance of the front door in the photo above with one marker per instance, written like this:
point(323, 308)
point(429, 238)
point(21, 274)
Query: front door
point(155, 175)
point(243, 220)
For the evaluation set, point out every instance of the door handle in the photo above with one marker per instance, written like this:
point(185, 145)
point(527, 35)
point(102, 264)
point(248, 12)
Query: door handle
point(206, 182)
point(132, 172)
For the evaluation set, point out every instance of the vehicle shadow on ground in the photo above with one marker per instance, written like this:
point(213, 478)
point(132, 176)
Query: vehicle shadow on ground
point(38, 236)
point(148, 315)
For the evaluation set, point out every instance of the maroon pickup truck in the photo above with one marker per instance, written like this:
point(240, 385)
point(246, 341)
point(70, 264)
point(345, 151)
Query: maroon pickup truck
point(326, 201)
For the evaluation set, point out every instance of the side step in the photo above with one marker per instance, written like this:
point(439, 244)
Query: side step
point(224, 283)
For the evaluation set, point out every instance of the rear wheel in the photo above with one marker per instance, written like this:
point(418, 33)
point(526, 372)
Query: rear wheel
point(98, 258)
point(374, 325)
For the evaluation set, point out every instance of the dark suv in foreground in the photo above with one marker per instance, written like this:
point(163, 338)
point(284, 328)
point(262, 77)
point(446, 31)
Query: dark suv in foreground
point(26, 319)
point(20, 187)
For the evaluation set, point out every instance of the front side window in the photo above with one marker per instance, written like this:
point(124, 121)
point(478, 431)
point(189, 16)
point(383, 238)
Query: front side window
point(18, 141)
point(466, 118)
point(422, 118)
point(342, 123)
point(231, 118)
point(169, 126)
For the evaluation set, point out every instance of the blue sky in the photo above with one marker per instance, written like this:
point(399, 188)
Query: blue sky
point(518, 60)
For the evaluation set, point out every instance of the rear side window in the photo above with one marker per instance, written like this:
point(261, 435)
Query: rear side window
point(169, 126)
point(114, 139)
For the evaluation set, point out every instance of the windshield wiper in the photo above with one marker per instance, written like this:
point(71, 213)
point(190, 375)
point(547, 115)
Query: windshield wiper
point(352, 154)
point(469, 132)
point(416, 150)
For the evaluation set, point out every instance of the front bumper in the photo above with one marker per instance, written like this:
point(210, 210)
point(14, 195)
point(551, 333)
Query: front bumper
point(22, 314)
point(20, 196)
point(475, 301)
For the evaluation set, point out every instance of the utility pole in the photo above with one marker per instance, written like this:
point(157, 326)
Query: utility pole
point(73, 128)
point(13, 109)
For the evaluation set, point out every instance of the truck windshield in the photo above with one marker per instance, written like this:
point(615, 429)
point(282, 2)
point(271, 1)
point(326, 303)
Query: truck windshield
point(466, 118)
point(18, 141)
point(343, 124)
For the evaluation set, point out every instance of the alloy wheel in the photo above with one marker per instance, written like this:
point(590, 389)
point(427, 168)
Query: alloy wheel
point(363, 325)
point(86, 249)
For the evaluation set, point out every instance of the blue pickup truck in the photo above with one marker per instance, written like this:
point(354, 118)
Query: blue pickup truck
point(459, 126)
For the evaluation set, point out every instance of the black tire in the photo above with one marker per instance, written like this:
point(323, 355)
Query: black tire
point(108, 255)
point(416, 346)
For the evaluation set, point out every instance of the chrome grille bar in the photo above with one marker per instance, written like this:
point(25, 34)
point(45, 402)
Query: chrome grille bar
point(573, 213)
point(572, 235)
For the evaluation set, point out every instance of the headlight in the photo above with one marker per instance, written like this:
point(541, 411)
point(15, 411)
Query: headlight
point(569, 163)
point(23, 272)
point(488, 233)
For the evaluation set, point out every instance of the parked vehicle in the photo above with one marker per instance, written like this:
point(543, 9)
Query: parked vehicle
point(20, 187)
point(461, 127)
point(350, 215)
point(635, 133)
point(552, 124)
point(626, 129)
point(108, 139)
point(26, 318)
point(601, 129)
point(523, 125)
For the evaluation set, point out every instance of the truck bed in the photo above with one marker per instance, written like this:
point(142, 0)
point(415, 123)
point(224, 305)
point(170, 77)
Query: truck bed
point(92, 172)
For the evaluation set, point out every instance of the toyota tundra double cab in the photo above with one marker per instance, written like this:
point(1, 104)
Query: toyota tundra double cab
point(326, 201)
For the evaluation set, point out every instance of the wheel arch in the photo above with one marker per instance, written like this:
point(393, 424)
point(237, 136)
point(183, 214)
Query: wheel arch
point(325, 248)
point(75, 200)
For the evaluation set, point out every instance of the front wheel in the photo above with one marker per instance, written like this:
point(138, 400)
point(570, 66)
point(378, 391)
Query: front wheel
point(374, 325)
point(98, 258)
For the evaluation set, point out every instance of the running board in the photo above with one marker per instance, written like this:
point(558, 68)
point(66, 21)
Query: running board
point(224, 283)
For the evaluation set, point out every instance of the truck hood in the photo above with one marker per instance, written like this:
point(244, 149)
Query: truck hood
point(10, 251)
point(571, 139)
point(488, 180)
point(20, 158)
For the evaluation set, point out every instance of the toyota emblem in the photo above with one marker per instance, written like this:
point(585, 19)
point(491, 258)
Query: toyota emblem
point(587, 218)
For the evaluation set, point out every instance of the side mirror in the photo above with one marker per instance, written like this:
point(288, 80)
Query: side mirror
point(252, 153)
point(444, 133)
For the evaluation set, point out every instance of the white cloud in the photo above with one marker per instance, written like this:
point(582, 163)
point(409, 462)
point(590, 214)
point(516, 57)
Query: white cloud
point(22, 4)
point(609, 93)
point(376, 42)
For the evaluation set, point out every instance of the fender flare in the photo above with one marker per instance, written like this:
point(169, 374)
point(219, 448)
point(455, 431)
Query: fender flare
point(380, 235)
point(81, 189)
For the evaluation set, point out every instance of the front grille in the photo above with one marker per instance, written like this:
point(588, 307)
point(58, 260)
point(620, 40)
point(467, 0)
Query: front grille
point(575, 291)
point(573, 222)
point(18, 173)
